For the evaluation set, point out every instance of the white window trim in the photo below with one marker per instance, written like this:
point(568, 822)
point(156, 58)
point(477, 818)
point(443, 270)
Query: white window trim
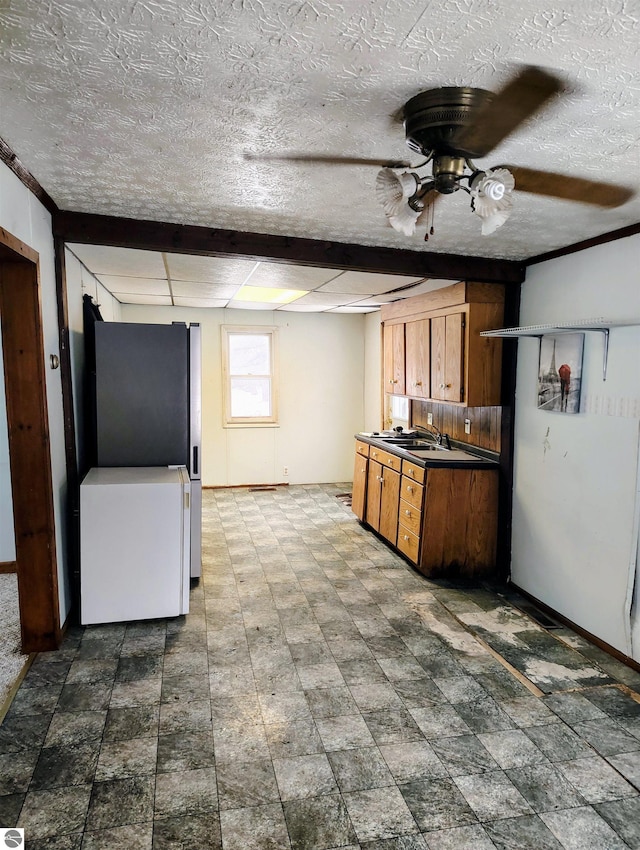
point(249, 421)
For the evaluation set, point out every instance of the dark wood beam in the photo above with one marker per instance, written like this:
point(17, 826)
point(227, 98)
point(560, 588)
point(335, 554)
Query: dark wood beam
point(207, 241)
point(25, 176)
point(622, 233)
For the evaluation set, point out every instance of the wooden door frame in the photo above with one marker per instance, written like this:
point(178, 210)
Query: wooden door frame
point(29, 445)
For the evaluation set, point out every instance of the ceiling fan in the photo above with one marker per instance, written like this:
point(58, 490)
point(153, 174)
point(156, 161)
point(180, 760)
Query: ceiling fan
point(450, 127)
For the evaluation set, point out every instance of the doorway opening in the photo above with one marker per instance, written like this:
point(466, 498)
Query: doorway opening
point(29, 448)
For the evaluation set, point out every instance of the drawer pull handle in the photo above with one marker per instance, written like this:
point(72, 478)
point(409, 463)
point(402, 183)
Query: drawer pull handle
point(410, 489)
point(406, 536)
point(410, 471)
point(408, 513)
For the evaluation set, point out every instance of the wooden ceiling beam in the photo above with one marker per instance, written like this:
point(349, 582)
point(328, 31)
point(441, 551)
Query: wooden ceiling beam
point(147, 235)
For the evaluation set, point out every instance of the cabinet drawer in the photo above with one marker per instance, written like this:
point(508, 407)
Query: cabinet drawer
point(411, 470)
point(392, 461)
point(362, 448)
point(411, 492)
point(409, 516)
point(408, 543)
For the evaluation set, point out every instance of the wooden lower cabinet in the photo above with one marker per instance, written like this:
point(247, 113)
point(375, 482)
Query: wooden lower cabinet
point(443, 520)
point(383, 496)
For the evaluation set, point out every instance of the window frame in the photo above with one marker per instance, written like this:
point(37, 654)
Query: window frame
point(230, 421)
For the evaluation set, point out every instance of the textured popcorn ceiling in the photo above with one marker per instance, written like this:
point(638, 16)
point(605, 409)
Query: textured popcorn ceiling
point(144, 108)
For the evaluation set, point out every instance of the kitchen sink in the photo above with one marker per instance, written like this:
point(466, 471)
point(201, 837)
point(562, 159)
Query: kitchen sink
point(403, 443)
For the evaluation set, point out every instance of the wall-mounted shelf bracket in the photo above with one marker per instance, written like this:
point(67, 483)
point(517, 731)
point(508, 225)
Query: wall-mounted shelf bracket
point(600, 325)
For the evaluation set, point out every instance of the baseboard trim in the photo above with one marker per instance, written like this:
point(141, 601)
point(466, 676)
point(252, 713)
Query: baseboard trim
point(244, 486)
point(8, 567)
point(596, 641)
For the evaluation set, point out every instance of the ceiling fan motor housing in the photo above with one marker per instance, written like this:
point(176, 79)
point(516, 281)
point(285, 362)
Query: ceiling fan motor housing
point(433, 118)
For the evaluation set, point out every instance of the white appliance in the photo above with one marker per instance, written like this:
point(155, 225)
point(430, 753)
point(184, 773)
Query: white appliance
point(148, 404)
point(135, 540)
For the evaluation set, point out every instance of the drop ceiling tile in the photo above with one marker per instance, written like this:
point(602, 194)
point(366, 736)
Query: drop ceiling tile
point(134, 285)
point(220, 270)
point(425, 286)
point(127, 262)
point(200, 302)
point(196, 289)
point(377, 300)
point(352, 309)
point(325, 299)
point(296, 307)
point(366, 283)
point(250, 305)
point(156, 300)
point(287, 276)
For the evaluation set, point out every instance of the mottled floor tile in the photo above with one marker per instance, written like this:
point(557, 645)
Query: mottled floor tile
point(595, 779)
point(298, 738)
point(375, 697)
point(545, 788)
point(57, 812)
point(437, 804)
point(284, 707)
point(624, 817)
point(527, 711)
point(185, 751)
point(379, 813)
point(331, 702)
point(318, 823)
point(132, 668)
point(573, 707)
point(24, 731)
point(463, 755)
point(136, 836)
point(94, 670)
point(419, 693)
point(460, 838)
point(16, 770)
point(132, 757)
point(244, 744)
point(439, 721)
point(613, 701)
point(360, 769)
point(413, 760)
point(304, 776)
point(106, 809)
point(243, 784)
point(65, 766)
point(393, 726)
point(522, 833)
point(582, 829)
point(184, 833)
point(137, 722)
point(71, 728)
point(557, 742)
point(185, 717)
point(84, 697)
point(190, 792)
point(10, 805)
point(492, 795)
point(344, 732)
point(512, 748)
point(628, 764)
point(607, 737)
point(256, 828)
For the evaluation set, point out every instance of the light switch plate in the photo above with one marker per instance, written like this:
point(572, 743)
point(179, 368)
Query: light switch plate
point(467, 426)
point(429, 418)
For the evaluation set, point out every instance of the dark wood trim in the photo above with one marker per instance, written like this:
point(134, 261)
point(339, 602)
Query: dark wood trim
point(30, 453)
point(622, 233)
point(507, 433)
point(8, 567)
point(26, 177)
point(596, 641)
point(206, 241)
point(73, 481)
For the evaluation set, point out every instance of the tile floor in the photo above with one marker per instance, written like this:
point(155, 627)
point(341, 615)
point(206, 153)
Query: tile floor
point(319, 695)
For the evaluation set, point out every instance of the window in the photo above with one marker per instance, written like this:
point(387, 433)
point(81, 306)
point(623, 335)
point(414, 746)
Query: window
point(249, 362)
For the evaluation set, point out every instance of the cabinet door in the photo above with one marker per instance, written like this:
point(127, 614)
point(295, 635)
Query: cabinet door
point(447, 357)
point(417, 358)
point(359, 492)
point(374, 487)
point(394, 359)
point(389, 503)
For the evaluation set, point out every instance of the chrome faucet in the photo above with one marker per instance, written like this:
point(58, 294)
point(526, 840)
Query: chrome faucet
point(439, 437)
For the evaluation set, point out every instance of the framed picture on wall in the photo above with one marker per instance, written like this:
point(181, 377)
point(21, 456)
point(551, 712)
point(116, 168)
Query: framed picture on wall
point(560, 372)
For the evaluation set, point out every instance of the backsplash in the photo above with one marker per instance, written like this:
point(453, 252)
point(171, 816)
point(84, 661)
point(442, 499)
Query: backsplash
point(485, 422)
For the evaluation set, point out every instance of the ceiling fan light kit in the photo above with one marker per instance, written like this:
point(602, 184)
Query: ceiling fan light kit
point(452, 125)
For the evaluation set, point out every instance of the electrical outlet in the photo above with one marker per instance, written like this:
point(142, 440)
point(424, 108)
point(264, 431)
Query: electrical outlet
point(285, 470)
point(467, 426)
point(429, 418)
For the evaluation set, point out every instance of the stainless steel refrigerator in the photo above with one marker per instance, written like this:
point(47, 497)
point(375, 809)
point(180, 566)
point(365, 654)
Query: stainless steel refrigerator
point(148, 397)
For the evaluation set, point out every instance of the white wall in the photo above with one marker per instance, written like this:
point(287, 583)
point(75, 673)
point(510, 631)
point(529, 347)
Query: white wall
point(22, 215)
point(576, 476)
point(372, 373)
point(80, 282)
point(321, 398)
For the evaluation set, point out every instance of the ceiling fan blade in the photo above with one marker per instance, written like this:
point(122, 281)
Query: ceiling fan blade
point(569, 188)
point(328, 159)
point(520, 98)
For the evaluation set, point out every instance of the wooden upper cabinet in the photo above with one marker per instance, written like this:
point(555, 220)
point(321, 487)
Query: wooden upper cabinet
point(418, 358)
point(447, 357)
point(435, 340)
point(394, 359)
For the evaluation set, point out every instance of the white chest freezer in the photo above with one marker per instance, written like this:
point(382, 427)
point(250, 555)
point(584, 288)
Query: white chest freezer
point(134, 543)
